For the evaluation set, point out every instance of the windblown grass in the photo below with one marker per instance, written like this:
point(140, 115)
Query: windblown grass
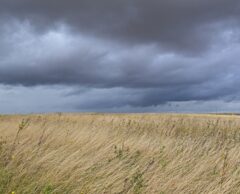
point(119, 153)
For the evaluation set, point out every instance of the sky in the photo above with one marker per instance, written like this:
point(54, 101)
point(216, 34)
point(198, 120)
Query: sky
point(119, 56)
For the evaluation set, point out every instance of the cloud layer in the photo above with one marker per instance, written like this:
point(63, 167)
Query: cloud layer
point(100, 55)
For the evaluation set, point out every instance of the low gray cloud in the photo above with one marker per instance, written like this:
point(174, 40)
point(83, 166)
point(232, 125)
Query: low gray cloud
point(183, 25)
point(115, 54)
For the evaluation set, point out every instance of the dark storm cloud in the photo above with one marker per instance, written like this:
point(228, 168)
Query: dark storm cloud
point(185, 25)
point(123, 53)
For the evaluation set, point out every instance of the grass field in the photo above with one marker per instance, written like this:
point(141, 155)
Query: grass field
point(119, 153)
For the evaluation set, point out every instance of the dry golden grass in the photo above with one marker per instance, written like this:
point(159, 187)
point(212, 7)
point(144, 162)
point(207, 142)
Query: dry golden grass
point(119, 153)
